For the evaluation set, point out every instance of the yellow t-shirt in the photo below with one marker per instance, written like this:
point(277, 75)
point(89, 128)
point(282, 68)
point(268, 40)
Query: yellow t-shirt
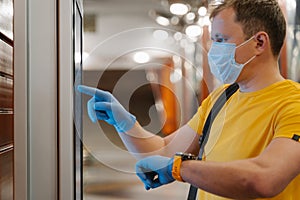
point(246, 125)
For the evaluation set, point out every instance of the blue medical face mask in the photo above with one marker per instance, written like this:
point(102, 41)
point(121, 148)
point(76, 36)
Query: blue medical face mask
point(222, 63)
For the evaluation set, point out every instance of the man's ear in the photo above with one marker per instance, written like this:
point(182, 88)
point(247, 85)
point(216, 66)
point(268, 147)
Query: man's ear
point(262, 40)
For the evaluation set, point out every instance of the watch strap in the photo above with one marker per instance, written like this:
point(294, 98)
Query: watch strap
point(176, 168)
point(178, 158)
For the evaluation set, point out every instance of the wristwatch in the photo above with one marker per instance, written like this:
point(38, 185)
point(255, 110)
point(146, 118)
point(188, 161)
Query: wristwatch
point(179, 157)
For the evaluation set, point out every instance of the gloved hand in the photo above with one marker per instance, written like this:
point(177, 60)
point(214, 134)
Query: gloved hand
point(155, 171)
point(104, 106)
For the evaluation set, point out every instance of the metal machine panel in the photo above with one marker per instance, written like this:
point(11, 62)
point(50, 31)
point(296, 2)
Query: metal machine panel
point(6, 59)
point(6, 94)
point(6, 172)
point(6, 129)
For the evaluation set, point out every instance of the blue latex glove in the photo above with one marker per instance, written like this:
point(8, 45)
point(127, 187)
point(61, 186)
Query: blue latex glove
point(155, 171)
point(104, 106)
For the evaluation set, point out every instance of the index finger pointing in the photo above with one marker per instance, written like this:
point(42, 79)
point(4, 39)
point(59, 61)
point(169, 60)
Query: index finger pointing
point(87, 90)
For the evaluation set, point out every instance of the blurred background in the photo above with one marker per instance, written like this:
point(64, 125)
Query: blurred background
point(151, 54)
point(152, 60)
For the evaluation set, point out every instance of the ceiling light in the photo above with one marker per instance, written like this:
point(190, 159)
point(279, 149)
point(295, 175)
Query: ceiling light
point(193, 30)
point(190, 16)
point(215, 2)
point(175, 20)
point(179, 9)
point(141, 57)
point(204, 21)
point(177, 36)
point(160, 35)
point(162, 21)
point(202, 11)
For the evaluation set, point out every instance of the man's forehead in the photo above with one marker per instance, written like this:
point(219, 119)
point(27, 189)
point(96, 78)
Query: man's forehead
point(226, 15)
point(224, 24)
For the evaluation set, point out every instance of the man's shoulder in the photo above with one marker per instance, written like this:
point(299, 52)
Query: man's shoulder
point(290, 86)
point(294, 84)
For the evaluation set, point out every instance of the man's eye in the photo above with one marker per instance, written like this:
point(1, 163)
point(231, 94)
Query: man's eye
point(220, 40)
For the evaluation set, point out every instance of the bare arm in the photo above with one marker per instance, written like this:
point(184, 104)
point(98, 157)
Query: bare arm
point(104, 106)
point(259, 177)
point(142, 143)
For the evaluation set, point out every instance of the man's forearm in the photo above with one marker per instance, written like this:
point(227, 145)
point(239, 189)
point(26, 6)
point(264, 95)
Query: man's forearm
point(237, 180)
point(142, 143)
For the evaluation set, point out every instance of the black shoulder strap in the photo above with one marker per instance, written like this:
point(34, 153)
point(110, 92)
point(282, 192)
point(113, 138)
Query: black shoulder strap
point(206, 129)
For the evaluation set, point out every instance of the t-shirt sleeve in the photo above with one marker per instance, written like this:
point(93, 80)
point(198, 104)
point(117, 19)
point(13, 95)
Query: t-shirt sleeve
point(198, 120)
point(196, 123)
point(287, 122)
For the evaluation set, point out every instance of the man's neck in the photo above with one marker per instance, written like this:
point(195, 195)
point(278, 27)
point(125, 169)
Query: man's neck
point(261, 77)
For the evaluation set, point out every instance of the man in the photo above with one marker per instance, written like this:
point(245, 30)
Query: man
point(253, 147)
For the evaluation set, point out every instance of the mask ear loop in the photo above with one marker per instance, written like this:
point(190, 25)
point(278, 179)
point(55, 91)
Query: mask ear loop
point(250, 60)
point(245, 42)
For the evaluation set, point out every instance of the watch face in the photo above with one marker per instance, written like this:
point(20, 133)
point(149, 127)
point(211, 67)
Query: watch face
point(186, 156)
point(179, 153)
